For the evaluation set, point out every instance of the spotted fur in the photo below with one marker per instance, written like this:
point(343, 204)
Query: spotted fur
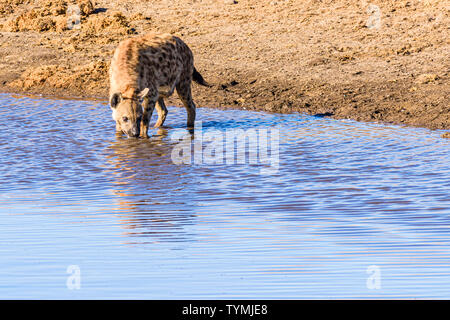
point(145, 70)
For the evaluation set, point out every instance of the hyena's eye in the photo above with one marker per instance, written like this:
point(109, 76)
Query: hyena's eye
point(125, 119)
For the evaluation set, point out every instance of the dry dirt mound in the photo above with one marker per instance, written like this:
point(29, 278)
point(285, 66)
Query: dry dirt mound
point(79, 28)
point(61, 15)
point(49, 16)
point(110, 23)
point(65, 77)
point(9, 6)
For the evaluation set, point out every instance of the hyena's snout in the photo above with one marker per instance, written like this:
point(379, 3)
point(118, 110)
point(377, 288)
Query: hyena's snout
point(134, 131)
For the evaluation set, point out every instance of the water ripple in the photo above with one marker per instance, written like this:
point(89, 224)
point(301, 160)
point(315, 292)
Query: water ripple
point(347, 195)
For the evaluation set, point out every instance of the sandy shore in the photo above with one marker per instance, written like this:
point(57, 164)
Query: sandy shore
point(385, 60)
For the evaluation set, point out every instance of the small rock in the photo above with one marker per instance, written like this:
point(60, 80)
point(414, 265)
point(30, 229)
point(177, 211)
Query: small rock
point(427, 78)
point(231, 2)
point(86, 7)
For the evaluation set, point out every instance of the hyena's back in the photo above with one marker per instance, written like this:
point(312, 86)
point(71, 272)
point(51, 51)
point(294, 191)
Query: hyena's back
point(159, 62)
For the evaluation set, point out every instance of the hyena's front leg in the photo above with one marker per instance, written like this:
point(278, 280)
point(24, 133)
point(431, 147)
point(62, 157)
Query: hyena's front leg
point(148, 107)
point(162, 112)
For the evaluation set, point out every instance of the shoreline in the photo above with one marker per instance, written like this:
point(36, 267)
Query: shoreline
point(313, 57)
point(445, 134)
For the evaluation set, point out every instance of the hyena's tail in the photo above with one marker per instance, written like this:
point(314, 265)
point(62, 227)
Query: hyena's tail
point(197, 77)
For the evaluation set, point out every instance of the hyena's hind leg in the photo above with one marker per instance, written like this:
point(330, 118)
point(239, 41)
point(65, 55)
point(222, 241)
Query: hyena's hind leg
point(184, 92)
point(162, 112)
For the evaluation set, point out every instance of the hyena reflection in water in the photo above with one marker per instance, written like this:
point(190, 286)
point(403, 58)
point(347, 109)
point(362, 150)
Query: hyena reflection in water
point(145, 70)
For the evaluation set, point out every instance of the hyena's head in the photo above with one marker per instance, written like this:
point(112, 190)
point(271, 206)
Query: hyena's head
point(127, 112)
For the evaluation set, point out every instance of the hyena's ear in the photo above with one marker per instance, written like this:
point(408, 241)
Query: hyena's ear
point(143, 94)
point(115, 99)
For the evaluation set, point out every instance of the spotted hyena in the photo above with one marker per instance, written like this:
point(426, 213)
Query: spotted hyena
point(145, 70)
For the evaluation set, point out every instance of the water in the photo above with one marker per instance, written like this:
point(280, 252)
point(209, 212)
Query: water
point(351, 203)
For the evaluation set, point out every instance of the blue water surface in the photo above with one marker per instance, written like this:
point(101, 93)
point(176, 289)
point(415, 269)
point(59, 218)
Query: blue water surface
point(346, 198)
